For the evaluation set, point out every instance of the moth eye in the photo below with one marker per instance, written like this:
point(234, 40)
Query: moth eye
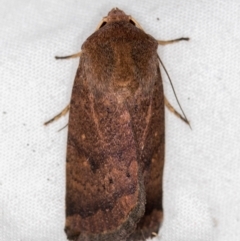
point(132, 22)
point(103, 24)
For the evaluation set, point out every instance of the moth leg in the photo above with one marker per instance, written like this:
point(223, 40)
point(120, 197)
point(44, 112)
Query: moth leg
point(171, 109)
point(62, 113)
point(165, 42)
point(69, 56)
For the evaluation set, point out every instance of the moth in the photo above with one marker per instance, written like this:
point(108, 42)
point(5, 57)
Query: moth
point(115, 149)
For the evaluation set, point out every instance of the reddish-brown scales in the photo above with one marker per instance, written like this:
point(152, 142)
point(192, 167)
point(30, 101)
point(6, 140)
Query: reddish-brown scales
point(115, 152)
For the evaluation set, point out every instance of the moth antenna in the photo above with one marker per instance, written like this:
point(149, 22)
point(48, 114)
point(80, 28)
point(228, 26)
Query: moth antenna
point(63, 128)
point(174, 92)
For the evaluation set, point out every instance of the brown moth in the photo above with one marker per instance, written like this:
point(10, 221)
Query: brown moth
point(115, 150)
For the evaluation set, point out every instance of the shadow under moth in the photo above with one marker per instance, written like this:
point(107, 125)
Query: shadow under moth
point(115, 148)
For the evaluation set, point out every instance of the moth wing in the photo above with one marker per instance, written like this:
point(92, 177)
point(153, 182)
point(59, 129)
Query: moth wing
point(105, 196)
point(115, 150)
point(149, 130)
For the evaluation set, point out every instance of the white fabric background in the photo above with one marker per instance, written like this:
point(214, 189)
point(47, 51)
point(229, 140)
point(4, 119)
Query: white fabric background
point(202, 170)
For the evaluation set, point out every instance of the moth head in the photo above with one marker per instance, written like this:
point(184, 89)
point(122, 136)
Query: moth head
point(117, 15)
